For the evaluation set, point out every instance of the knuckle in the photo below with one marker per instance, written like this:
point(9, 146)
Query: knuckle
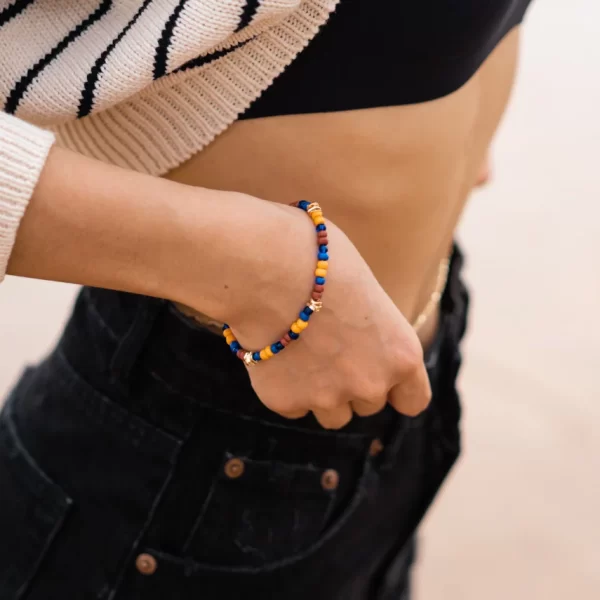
point(413, 362)
point(371, 391)
point(419, 404)
point(372, 403)
point(326, 402)
point(409, 360)
point(413, 410)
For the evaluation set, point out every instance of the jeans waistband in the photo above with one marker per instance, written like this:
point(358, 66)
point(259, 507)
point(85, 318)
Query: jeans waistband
point(166, 368)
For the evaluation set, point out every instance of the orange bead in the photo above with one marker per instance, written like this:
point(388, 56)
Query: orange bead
point(321, 272)
point(322, 264)
point(227, 332)
point(268, 351)
point(295, 327)
point(319, 220)
point(263, 355)
point(229, 339)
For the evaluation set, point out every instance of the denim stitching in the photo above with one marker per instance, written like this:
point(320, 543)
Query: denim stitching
point(146, 525)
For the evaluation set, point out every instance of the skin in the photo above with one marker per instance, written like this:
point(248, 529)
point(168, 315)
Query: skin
point(395, 179)
point(215, 237)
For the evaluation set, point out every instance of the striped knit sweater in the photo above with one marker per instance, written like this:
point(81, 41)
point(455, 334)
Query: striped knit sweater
point(143, 84)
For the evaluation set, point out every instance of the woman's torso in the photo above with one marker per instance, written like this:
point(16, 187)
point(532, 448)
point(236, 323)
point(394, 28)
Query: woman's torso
point(394, 178)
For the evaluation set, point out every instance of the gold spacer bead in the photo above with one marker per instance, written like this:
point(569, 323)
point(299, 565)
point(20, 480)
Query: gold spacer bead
point(250, 362)
point(314, 206)
point(315, 305)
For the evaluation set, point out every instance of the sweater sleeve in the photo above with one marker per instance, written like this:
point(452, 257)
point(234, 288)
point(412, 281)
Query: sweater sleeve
point(23, 152)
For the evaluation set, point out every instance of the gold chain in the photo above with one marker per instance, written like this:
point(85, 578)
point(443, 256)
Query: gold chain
point(435, 297)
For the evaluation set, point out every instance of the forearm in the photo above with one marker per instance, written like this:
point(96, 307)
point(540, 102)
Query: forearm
point(95, 224)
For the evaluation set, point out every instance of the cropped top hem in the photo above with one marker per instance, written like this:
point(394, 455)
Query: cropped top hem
point(333, 74)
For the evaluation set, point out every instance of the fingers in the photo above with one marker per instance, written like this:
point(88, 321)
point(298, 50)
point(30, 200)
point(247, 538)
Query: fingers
point(286, 411)
point(413, 394)
point(334, 418)
point(366, 408)
point(298, 414)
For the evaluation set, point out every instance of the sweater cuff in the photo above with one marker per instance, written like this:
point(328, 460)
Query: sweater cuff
point(23, 152)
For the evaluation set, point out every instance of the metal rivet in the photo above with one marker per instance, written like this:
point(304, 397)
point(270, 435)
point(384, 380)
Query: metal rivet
point(146, 564)
point(376, 447)
point(234, 468)
point(330, 479)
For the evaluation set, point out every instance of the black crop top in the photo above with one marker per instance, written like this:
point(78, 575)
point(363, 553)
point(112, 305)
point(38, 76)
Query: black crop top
point(388, 53)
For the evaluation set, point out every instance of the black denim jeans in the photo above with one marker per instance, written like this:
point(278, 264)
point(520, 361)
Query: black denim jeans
point(141, 435)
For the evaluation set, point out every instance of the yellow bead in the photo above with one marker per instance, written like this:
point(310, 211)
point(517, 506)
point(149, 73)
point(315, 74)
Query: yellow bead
point(316, 214)
point(322, 264)
point(321, 272)
point(319, 220)
point(229, 339)
point(295, 328)
point(268, 351)
point(302, 325)
point(227, 332)
point(263, 355)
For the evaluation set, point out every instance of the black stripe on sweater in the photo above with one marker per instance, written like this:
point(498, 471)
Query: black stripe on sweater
point(86, 101)
point(248, 13)
point(208, 58)
point(6, 14)
point(18, 91)
point(162, 50)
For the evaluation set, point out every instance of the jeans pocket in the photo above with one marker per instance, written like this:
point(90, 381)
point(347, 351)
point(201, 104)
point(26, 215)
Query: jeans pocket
point(32, 511)
point(315, 571)
point(260, 511)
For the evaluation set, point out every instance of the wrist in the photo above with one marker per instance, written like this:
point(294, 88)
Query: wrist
point(257, 261)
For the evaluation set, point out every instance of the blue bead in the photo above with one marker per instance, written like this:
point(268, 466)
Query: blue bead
point(320, 280)
point(304, 316)
point(321, 227)
point(323, 256)
point(256, 356)
point(293, 336)
point(303, 204)
point(280, 346)
point(308, 310)
point(323, 249)
point(225, 326)
point(235, 346)
point(274, 349)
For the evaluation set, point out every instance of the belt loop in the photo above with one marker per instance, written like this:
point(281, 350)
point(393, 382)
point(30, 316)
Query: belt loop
point(133, 341)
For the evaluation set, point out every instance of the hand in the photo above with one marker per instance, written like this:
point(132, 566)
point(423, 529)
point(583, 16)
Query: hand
point(358, 352)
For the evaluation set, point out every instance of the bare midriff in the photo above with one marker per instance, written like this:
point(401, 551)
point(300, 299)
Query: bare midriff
point(395, 179)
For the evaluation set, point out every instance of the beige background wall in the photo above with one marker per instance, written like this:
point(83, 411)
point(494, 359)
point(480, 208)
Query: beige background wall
point(519, 518)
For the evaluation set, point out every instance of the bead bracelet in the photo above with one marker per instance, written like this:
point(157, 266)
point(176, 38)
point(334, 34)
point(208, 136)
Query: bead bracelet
point(312, 306)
